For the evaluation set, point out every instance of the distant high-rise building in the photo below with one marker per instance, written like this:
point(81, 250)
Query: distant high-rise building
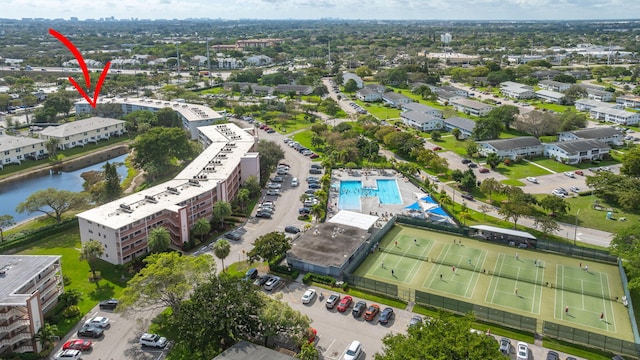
point(445, 38)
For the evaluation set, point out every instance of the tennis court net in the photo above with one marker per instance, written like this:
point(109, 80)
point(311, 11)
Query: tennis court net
point(529, 277)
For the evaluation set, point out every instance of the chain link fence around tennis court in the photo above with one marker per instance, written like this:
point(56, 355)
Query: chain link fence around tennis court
point(375, 286)
point(482, 313)
point(583, 337)
point(576, 251)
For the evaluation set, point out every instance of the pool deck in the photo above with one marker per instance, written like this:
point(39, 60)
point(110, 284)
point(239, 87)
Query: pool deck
point(371, 205)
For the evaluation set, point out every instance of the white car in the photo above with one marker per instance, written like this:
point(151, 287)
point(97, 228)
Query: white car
point(153, 340)
point(308, 296)
point(68, 355)
point(353, 351)
point(570, 174)
point(294, 182)
point(575, 189)
point(98, 321)
point(558, 194)
point(532, 179)
point(523, 351)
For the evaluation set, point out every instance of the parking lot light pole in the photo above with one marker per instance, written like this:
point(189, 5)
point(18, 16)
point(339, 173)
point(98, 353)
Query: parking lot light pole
point(575, 234)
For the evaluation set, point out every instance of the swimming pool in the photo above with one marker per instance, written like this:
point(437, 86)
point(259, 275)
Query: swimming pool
point(351, 191)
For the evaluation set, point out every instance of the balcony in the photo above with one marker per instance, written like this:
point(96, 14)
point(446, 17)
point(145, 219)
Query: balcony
point(16, 339)
point(14, 312)
point(13, 326)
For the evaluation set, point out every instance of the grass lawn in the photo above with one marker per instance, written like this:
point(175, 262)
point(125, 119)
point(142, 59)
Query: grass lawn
point(553, 165)
point(554, 107)
point(67, 245)
point(520, 170)
point(452, 144)
point(596, 219)
point(379, 111)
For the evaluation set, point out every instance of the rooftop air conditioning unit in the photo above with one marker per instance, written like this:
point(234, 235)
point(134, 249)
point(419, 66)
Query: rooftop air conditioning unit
point(126, 208)
point(150, 199)
point(173, 190)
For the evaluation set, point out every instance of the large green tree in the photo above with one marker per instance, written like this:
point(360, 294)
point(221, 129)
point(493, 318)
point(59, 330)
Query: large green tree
point(91, 252)
point(631, 162)
point(487, 128)
point(166, 117)
point(166, 280)
point(283, 320)
point(442, 337)
point(46, 335)
point(156, 149)
point(555, 204)
point(626, 244)
point(112, 188)
point(270, 154)
point(201, 228)
point(269, 246)
point(222, 249)
point(53, 202)
point(518, 205)
point(506, 114)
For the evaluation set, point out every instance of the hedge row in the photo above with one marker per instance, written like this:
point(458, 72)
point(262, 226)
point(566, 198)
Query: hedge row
point(322, 279)
point(284, 271)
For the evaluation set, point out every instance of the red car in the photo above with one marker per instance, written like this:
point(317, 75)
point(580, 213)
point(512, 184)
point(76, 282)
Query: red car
point(579, 172)
point(437, 148)
point(345, 303)
point(314, 156)
point(77, 344)
point(312, 335)
point(483, 170)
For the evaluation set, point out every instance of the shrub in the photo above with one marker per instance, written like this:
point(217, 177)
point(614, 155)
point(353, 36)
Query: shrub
point(322, 279)
point(284, 271)
point(71, 311)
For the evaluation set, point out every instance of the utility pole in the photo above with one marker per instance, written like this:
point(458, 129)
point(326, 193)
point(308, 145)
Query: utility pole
point(208, 59)
point(575, 233)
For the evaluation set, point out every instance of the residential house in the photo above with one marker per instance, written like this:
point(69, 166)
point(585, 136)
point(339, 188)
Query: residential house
point(579, 74)
point(599, 95)
point(259, 60)
point(550, 96)
point(446, 98)
point(31, 285)
point(421, 121)
point(123, 226)
point(298, 89)
point(16, 149)
point(630, 101)
point(588, 104)
point(262, 90)
point(516, 90)
point(620, 117)
point(376, 87)
point(346, 76)
point(576, 151)
point(526, 146)
point(191, 115)
point(466, 126)
point(395, 99)
point(471, 107)
point(545, 74)
point(554, 85)
point(605, 134)
point(455, 90)
point(422, 108)
point(368, 95)
point(82, 132)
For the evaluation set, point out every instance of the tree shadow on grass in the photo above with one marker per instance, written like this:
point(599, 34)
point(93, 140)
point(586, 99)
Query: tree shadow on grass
point(103, 292)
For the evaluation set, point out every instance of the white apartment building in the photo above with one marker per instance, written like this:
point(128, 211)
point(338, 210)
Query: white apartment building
point(550, 96)
point(516, 90)
point(82, 132)
point(471, 107)
point(123, 225)
point(16, 149)
point(421, 121)
point(631, 101)
point(192, 115)
point(29, 288)
point(422, 108)
point(620, 117)
point(588, 104)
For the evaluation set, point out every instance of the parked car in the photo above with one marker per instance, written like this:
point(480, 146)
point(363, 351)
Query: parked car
point(371, 312)
point(274, 186)
point(575, 189)
point(558, 193)
point(505, 346)
point(278, 179)
point(415, 320)
point(316, 166)
point(291, 229)
point(315, 171)
point(294, 182)
point(251, 273)
point(386, 315)
point(437, 148)
point(465, 161)
point(68, 355)
point(110, 304)
point(332, 301)
point(98, 321)
point(153, 340)
point(532, 179)
point(90, 331)
point(552, 355)
point(570, 174)
point(261, 280)
point(312, 179)
point(358, 309)
point(314, 156)
point(472, 165)
point(233, 235)
point(483, 170)
point(315, 186)
point(579, 172)
point(77, 344)
point(282, 172)
point(308, 296)
point(272, 283)
point(467, 196)
point(353, 351)
point(264, 214)
point(273, 192)
point(523, 351)
point(345, 303)
point(304, 211)
point(310, 191)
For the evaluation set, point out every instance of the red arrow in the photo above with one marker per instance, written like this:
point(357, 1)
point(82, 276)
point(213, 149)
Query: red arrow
point(84, 68)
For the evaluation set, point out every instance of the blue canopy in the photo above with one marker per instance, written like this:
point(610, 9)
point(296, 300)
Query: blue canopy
point(414, 206)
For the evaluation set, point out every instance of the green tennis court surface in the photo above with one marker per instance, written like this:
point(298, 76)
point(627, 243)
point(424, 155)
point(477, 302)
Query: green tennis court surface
point(526, 282)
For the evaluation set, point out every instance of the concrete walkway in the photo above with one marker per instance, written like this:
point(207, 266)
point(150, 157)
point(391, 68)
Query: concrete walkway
point(540, 166)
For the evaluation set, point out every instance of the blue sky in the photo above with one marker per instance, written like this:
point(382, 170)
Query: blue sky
point(315, 9)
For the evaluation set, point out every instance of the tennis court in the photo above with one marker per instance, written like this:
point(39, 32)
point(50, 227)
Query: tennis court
point(546, 286)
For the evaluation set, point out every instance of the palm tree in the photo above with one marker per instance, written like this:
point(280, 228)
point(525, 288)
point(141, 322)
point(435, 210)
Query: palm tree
point(221, 209)
point(308, 352)
point(46, 335)
point(222, 249)
point(201, 228)
point(317, 211)
point(243, 197)
point(91, 252)
point(158, 239)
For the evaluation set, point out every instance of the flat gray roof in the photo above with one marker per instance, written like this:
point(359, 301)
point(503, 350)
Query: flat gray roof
point(504, 231)
point(573, 146)
point(328, 244)
point(245, 350)
point(513, 143)
point(20, 269)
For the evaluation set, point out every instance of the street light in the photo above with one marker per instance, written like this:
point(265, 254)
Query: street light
point(575, 234)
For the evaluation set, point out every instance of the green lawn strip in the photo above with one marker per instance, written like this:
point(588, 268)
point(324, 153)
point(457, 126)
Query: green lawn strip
point(577, 350)
point(553, 107)
point(67, 245)
point(365, 295)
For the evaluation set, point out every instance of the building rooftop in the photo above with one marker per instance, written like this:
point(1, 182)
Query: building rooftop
point(418, 117)
point(16, 271)
point(328, 244)
point(513, 143)
point(596, 132)
point(228, 144)
point(355, 219)
point(615, 112)
point(595, 103)
point(414, 106)
point(553, 83)
point(574, 146)
point(550, 94)
point(462, 123)
point(498, 230)
point(472, 104)
point(80, 126)
point(13, 142)
point(393, 96)
point(191, 112)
